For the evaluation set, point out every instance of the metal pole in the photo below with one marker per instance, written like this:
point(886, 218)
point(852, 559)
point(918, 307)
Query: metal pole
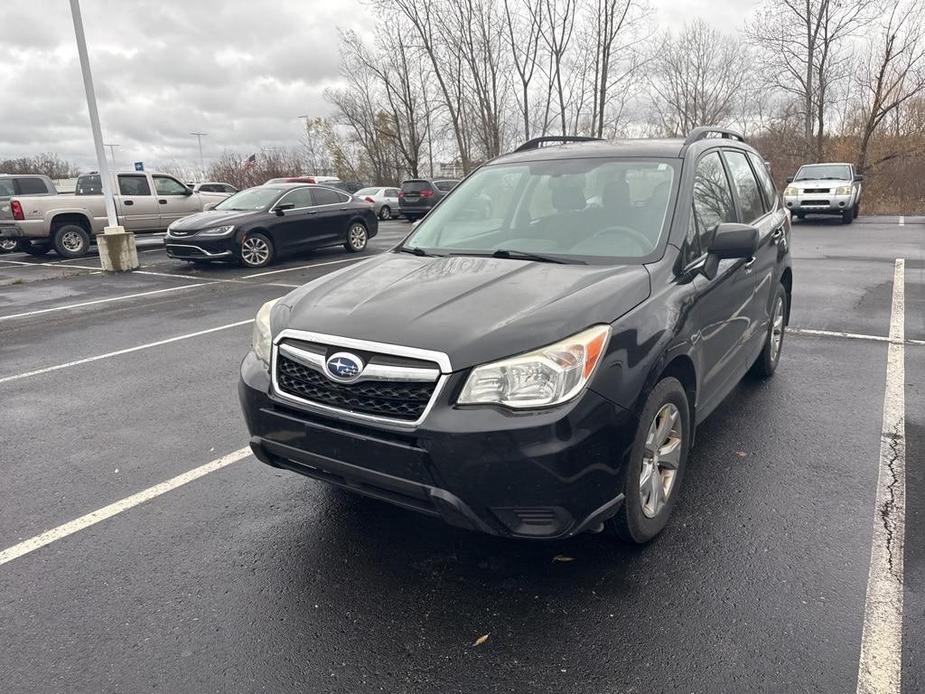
point(112, 154)
point(105, 177)
point(202, 161)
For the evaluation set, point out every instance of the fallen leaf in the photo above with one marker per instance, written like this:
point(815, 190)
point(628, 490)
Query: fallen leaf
point(562, 557)
point(741, 454)
point(480, 640)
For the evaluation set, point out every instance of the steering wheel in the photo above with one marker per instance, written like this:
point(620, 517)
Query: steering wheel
point(644, 243)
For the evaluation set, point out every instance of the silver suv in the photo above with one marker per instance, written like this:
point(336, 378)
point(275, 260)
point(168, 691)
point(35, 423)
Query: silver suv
point(832, 189)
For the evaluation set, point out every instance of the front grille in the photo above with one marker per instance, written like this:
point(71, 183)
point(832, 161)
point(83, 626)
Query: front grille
point(393, 399)
point(185, 251)
point(816, 190)
point(816, 202)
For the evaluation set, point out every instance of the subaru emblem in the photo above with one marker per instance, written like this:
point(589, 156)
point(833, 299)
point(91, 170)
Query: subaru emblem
point(344, 367)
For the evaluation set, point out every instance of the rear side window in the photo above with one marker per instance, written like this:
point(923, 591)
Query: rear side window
point(228, 189)
point(712, 197)
point(300, 197)
point(746, 186)
point(445, 186)
point(134, 185)
point(326, 196)
point(6, 188)
point(415, 186)
point(89, 185)
point(391, 193)
point(32, 186)
point(765, 181)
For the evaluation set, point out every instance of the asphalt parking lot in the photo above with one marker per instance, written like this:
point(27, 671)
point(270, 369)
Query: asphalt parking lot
point(239, 577)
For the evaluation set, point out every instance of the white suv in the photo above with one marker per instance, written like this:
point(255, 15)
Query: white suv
point(824, 189)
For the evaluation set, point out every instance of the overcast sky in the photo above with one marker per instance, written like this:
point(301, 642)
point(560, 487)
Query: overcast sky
point(240, 70)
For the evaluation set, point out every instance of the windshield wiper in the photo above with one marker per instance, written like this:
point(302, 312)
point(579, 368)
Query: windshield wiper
point(414, 250)
point(523, 255)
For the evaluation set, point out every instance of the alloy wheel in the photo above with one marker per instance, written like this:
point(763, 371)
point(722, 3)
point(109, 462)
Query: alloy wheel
point(385, 213)
point(777, 329)
point(255, 250)
point(357, 237)
point(8, 244)
point(72, 241)
point(660, 460)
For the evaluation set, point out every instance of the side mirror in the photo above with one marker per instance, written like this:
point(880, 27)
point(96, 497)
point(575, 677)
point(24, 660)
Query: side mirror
point(789, 179)
point(209, 206)
point(858, 178)
point(732, 240)
point(282, 207)
point(188, 192)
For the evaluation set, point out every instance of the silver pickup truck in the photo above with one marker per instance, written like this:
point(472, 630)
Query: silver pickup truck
point(833, 189)
point(145, 202)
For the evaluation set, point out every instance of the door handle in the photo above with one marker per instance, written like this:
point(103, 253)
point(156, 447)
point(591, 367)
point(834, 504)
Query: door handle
point(778, 234)
point(128, 202)
point(163, 202)
point(749, 264)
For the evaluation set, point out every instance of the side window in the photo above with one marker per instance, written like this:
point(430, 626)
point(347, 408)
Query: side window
point(746, 186)
point(712, 197)
point(391, 193)
point(134, 185)
point(6, 188)
point(32, 186)
point(326, 196)
point(692, 249)
point(228, 189)
point(165, 185)
point(300, 197)
point(89, 185)
point(765, 181)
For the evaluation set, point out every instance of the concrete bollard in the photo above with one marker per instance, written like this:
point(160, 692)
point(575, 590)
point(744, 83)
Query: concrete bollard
point(117, 250)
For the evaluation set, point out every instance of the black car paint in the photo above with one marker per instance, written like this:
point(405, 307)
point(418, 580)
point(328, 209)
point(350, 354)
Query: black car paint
point(290, 230)
point(472, 463)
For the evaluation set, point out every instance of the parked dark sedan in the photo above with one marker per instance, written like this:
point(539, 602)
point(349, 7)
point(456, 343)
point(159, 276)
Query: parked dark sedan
point(260, 224)
point(533, 359)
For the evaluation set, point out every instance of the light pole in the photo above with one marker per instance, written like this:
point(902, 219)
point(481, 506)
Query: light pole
point(116, 246)
point(112, 153)
point(202, 161)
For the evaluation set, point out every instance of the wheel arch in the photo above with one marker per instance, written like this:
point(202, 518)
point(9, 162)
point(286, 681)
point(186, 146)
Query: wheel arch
point(77, 218)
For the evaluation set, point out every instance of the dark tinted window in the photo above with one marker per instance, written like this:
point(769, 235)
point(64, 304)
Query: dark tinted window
point(712, 197)
point(228, 189)
point(134, 185)
point(391, 193)
point(765, 181)
point(445, 186)
point(746, 186)
point(32, 186)
point(692, 249)
point(89, 185)
point(6, 188)
point(301, 197)
point(165, 185)
point(415, 186)
point(326, 196)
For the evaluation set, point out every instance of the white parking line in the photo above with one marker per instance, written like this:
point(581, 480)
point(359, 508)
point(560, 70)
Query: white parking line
point(902, 221)
point(305, 267)
point(850, 336)
point(118, 507)
point(99, 301)
point(128, 350)
point(880, 666)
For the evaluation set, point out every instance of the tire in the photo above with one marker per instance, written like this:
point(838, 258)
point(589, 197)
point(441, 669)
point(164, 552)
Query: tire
point(801, 216)
point(8, 245)
point(256, 250)
point(385, 212)
point(357, 237)
point(857, 210)
point(766, 363)
point(847, 216)
point(34, 249)
point(644, 512)
point(411, 218)
point(70, 241)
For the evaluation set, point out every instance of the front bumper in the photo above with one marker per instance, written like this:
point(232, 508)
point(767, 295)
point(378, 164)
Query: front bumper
point(198, 248)
point(545, 474)
point(819, 203)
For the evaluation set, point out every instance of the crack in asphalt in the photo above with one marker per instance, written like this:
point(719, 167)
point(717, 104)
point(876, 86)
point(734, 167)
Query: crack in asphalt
point(888, 508)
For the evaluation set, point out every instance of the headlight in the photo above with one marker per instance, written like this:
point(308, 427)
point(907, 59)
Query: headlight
point(216, 231)
point(791, 192)
point(843, 190)
point(262, 336)
point(548, 376)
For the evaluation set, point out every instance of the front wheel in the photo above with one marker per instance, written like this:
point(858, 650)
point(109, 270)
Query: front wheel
point(385, 213)
point(857, 210)
point(656, 463)
point(847, 216)
point(256, 250)
point(766, 363)
point(357, 238)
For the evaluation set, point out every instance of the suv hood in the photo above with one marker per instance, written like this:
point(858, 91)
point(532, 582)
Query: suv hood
point(212, 218)
point(820, 183)
point(472, 308)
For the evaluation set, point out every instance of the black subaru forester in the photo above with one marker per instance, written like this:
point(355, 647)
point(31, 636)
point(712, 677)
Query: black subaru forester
point(533, 358)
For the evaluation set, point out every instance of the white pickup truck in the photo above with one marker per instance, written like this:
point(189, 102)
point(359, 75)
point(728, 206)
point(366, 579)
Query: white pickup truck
point(145, 202)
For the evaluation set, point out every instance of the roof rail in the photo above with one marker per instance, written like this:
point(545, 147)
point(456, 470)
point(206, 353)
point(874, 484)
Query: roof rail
point(537, 142)
point(704, 132)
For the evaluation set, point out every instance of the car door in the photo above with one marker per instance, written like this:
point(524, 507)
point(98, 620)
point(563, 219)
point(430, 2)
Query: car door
point(391, 199)
point(753, 210)
point(298, 227)
point(718, 314)
point(333, 213)
point(174, 199)
point(136, 205)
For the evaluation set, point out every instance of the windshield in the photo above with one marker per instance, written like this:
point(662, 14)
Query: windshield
point(816, 172)
point(250, 199)
point(577, 209)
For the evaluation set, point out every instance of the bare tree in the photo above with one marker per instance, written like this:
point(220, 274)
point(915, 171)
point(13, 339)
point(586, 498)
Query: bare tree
point(523, 37)
point(696, 78)
point(894, 72)
point(49, 164)
point(557, 31)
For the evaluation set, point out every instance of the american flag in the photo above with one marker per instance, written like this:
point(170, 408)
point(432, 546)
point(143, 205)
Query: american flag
point(250, 161)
